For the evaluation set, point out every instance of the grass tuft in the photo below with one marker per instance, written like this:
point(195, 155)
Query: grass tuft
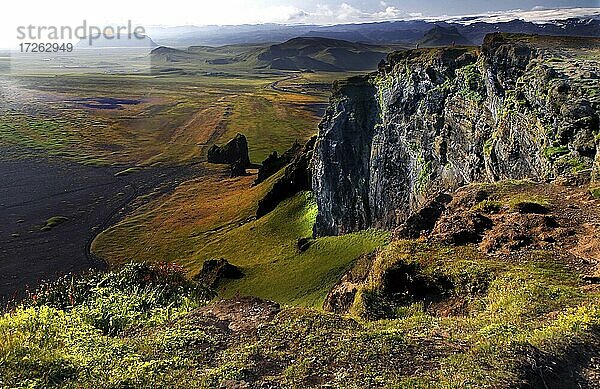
point(53, 222)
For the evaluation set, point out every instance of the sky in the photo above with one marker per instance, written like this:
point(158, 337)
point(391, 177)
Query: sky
point(201, 12)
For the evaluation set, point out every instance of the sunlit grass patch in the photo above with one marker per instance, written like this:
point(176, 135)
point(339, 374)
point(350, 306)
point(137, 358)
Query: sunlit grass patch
point(269, 122)
point(174, 226)
point(70, 333)
point(176, 117)
point(267, 251)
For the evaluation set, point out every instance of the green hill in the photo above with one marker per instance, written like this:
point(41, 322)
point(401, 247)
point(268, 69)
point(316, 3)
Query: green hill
point(444, 36)
point(323, 54)
point(315, 54)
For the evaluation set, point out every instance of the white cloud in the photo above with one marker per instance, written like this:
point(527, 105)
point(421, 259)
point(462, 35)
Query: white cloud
point(204, 12)
point(346, 13)
point(536, 15)
point(280, 14)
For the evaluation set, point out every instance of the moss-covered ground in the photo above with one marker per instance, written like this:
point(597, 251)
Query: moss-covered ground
point(212, 218)
point(524, 322)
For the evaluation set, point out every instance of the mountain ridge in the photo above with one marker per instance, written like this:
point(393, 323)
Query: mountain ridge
point(402, 32)
point(300, 53)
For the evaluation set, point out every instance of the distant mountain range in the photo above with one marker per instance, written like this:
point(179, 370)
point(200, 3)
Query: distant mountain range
point(323, 54)
point(337, 48)
point(382, 33)
point(303, 53)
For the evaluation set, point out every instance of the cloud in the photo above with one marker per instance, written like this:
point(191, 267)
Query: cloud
point(346, 13)
point(298, 15)
point(282, 14)
point(536, 15)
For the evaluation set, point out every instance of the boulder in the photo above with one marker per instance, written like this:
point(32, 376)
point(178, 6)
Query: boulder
point(215, 270)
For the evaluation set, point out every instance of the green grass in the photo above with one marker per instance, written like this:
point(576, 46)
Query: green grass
point(595, 192)
point(536, 303)
point(270, 121)
point(138, 327)
point(177, 116)
point(72, 333)
point(518, 199)
point(488, 206)
point(554, 152)
point(511, 193)
point(53, 222)
point(175, 226)
point(208, 218)
point(274, 268)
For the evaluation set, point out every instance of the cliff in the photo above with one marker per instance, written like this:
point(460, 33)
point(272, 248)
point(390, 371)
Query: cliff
point(432, 120)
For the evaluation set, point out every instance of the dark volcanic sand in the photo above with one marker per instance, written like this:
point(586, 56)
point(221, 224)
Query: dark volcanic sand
point(34, 190)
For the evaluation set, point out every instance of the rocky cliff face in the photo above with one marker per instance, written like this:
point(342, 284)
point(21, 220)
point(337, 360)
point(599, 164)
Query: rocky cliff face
point(432, 120)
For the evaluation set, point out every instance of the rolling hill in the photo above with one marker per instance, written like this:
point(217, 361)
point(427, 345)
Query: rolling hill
point(444, 36)
point(303, 53)
point(322, 54)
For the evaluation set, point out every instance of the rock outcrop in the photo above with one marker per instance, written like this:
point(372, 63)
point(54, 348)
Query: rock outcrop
point(432, 120)
point(215, 270)
point(296, 178)
point(273, 163)
point(234, 153)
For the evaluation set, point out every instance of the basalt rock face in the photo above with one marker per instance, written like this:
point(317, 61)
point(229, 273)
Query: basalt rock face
point(432, 120)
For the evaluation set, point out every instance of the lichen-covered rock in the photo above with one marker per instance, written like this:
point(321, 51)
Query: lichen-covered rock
point(432, 120)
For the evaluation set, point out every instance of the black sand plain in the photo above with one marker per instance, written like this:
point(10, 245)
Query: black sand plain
point(81, 200)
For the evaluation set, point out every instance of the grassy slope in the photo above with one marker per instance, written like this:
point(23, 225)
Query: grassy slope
point(271, 121)
point(173, 227)
point(529, 309)
point(208, 218)
point(515, 309)
point(177, 115)
point(275, 269)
